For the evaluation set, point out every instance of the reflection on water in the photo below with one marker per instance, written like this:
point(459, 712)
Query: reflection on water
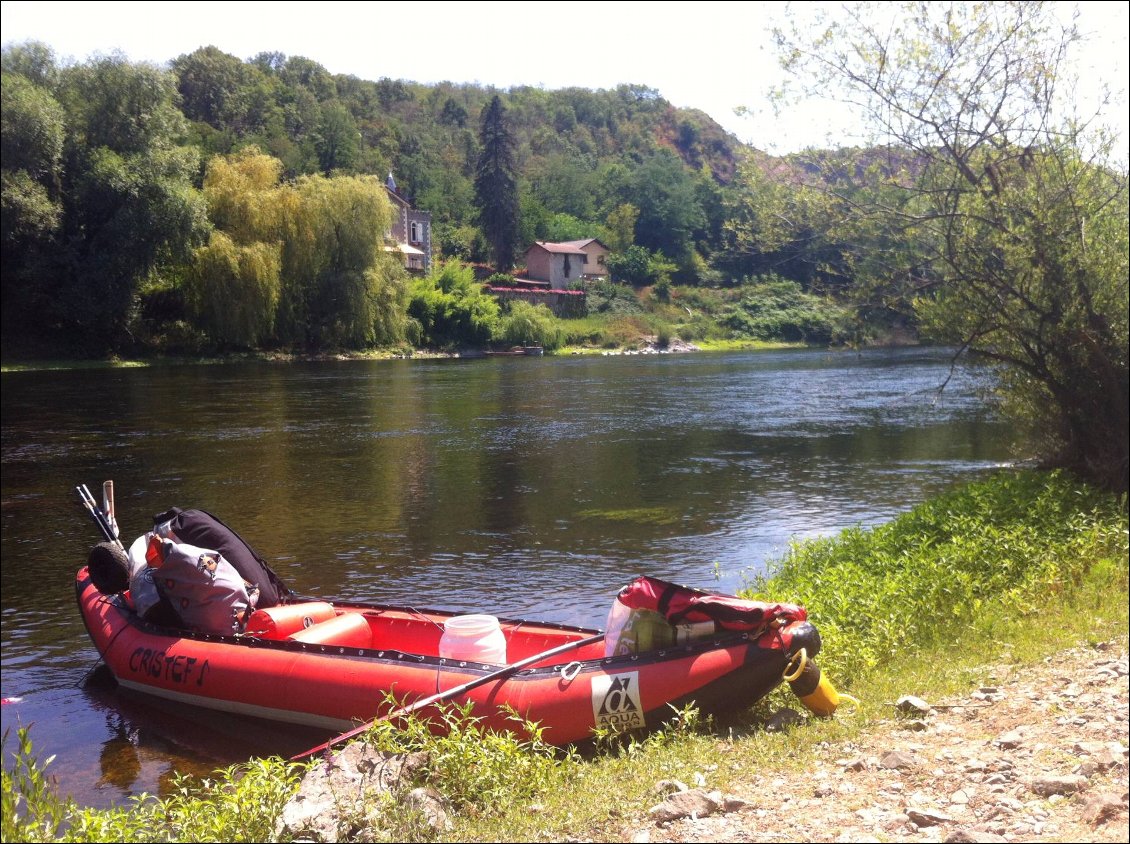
point(525, 487)
point(150, 738)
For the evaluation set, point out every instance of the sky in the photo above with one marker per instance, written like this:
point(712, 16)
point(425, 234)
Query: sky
point(713, 56)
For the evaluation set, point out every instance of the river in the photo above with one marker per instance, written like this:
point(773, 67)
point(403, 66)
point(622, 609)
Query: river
point(524, 487)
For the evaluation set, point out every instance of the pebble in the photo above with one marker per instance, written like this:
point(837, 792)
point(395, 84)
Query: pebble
point(1042, 756)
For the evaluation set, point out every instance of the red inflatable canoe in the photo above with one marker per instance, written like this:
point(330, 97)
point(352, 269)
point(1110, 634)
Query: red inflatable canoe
point(333, 666)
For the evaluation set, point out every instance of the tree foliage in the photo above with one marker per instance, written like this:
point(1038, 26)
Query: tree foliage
point(772, 308)
point(301, 263)
point(235, 281)
point(337, 277)
point(524, 324)
point(1012, 204)
point(98, 194)
point(449, 309)
point(496, 184)
point(109, 138)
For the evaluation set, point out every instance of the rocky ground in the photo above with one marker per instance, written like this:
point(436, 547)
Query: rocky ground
point(1039, 756)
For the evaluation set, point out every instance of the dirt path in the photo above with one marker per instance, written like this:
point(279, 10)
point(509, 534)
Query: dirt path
point(1041, 756)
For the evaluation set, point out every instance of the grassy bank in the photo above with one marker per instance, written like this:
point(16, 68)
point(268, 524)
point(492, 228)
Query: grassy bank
point(757, 314)
point(1010, 569)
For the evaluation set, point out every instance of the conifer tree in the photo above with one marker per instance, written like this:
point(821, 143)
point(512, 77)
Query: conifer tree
point(496, 186)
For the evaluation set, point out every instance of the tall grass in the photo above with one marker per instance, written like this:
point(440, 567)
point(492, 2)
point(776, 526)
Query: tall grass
point(241, 803)
point(952, 567)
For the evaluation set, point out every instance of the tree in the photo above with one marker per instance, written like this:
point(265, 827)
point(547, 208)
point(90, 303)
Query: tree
point(1012, 203)
point(620, 227)
point(31, 137)
point(300, 264)
point(339, 287)
point(496, 185)
point(211, 84)
point(100, 200)
point(338, 141)
point(669, 211)
point(234, 283)
point(776, 223)
point(449, 309)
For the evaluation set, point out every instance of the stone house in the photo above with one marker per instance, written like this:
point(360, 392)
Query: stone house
point(557, 264)
point(596, 256)
point(411, 231)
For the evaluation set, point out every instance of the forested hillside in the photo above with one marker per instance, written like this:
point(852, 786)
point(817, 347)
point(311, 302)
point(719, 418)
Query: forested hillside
point(115, 232)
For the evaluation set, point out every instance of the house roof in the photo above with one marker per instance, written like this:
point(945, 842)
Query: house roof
point(559, 248)
point(581, 244)
point(396, 197)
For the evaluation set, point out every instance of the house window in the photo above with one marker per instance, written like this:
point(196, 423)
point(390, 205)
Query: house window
point(417, 232)
point(600, 259)
point(566, 266)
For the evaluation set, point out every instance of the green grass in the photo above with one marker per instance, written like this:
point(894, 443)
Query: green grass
point(1005, 571)
point(953, 568)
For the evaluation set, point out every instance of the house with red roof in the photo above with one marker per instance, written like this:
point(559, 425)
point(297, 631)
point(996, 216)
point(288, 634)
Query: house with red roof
point(557, 264)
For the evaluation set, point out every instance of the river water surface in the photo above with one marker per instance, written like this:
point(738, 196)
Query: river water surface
point(523, 487)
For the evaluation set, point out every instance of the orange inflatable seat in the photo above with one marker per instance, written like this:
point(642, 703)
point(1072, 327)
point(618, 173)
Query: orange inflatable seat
point(349, 630)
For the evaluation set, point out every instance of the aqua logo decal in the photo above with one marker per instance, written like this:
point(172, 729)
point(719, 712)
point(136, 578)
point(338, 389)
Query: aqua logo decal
point(616, 701)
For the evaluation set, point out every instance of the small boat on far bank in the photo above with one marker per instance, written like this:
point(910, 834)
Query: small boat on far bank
point(516, 351)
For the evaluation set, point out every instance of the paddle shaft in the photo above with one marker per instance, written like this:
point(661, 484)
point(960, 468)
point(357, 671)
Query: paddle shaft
point(501, 674)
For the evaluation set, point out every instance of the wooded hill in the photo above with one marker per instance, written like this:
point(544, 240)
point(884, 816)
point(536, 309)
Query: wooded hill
point(110, 230)
point(580, 153)
point(102, 159)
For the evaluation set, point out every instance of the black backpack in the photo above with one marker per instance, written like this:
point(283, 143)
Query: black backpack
point(201, 528)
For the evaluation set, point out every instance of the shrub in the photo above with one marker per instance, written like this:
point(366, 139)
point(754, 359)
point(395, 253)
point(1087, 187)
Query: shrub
point(242, 803)
point(526, 324)
point(606, 297)
point(476, 767)
point(773, 308)
point(451, 309)
point(1000, 547)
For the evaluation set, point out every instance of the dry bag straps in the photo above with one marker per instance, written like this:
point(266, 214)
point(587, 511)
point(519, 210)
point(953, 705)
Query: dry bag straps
point(683, 605)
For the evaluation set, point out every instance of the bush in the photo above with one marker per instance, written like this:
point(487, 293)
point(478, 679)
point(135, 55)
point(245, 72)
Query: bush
point(475, 767)
point(773, 308)
point(500, 280)
point(450, 309)
point(607, 297)
point(526, 324)
point(991, 549)
point(242, 803)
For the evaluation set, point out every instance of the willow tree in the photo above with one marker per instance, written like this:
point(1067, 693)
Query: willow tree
point(298, 264)
point(235, 281)
point(340, 287)
point(1015, 204)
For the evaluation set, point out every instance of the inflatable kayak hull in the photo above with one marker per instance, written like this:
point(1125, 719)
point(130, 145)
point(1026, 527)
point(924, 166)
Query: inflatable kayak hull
point(333, 666)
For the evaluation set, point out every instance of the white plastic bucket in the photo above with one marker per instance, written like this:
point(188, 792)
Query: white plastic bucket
point(473, 638)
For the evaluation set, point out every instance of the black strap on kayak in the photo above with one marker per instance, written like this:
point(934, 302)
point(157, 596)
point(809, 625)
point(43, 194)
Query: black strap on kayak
point(666, 598)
